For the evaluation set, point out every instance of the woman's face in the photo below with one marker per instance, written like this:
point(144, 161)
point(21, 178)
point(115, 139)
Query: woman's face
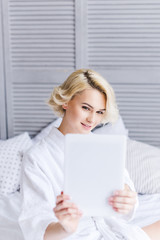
point(84, 112)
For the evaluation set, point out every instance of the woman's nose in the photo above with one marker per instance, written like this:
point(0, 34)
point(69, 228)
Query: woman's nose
point(90, 118)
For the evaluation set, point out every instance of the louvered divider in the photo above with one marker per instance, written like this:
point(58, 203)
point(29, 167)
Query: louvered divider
point(42, 34)
point(139, 106)
point(30, 110)
point(124, 34)
point(124, 45)
point(40, 52)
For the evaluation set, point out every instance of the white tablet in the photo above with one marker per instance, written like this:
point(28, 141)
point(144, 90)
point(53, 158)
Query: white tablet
point(93, 170)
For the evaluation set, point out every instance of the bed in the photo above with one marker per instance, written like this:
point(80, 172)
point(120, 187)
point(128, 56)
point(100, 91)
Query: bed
point(143, 164)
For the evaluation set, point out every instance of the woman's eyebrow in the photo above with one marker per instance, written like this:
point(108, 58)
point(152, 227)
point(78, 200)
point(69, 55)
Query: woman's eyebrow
point(93, 107)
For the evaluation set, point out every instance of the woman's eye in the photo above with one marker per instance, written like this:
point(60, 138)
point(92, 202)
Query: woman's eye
point(100, 112)
point(84, 107)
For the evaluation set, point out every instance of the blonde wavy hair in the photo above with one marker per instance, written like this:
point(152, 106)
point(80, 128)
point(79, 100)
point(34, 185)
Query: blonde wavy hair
point(79, 81)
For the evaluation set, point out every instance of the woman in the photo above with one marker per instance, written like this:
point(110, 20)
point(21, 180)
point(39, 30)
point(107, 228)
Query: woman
point(84, 100)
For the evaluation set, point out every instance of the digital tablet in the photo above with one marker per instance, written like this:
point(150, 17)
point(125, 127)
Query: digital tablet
point(94, 170)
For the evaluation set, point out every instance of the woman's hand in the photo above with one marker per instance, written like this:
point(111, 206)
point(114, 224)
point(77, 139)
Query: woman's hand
point(67, 213)
point(123, 201)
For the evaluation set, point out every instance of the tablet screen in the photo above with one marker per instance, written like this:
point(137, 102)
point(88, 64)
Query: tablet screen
point(93, 170)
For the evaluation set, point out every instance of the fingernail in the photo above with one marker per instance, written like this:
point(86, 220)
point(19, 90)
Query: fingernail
point(62, 193)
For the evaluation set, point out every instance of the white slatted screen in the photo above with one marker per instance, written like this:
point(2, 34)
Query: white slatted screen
point(124, 45)
point(40, 53)
point(29, 109)
point(42, 34)
point(124, 34)
point(139, 105)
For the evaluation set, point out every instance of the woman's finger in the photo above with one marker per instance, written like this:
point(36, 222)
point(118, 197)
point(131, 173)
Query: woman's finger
point(123, 211)
point(124, 200)
point(69, 211)
point(62, 197)
point(122, 206)
point(125, 193)
point(65, 204)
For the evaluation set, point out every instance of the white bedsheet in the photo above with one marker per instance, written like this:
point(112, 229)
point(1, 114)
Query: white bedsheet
point(9, 212)
point(147, 213)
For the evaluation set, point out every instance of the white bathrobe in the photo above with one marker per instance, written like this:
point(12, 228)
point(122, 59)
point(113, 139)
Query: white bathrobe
point(42, 180)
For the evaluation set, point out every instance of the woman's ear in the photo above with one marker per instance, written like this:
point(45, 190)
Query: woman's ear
point(65, 105)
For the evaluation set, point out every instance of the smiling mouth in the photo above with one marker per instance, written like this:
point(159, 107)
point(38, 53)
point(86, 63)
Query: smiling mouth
point(86, 126)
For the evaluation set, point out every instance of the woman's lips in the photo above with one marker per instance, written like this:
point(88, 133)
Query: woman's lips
point(86, 126)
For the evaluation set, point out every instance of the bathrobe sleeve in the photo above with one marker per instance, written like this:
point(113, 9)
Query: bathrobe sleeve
point(129, 182)
point(37, 196)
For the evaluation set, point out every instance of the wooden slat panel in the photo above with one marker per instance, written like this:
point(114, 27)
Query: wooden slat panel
point(39, 46)
point(30, 110)
point(124, 45)
point(139, 107)
point(39, 26)
point(124, 34)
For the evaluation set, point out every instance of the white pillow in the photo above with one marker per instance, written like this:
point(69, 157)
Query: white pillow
point(11, 151)
point(143, 164)
point(116, 128)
